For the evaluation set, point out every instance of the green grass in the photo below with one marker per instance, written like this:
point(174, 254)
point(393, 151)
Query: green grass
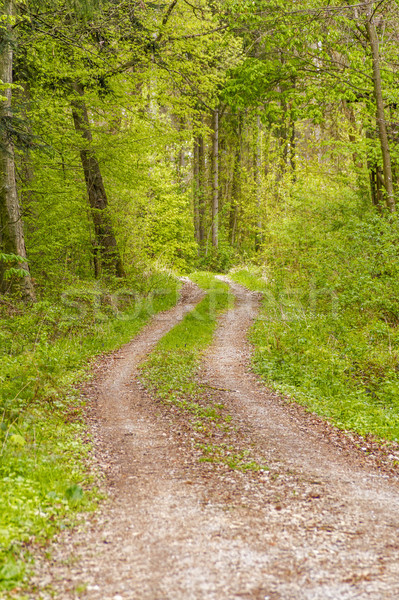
point(251, 278)
point(172, 366)
point(338, 360)
point(45, 351)
point(171, 373)
point(206, 281)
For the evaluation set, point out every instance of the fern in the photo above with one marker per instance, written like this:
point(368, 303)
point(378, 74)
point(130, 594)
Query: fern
point(13, 271)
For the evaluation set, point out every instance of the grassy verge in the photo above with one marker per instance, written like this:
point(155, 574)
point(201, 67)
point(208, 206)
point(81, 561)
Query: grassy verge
point(327, 353)
point(170, 372)
point(45, 352)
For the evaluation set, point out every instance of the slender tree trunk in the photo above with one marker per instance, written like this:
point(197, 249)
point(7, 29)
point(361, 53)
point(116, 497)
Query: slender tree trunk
point(235, 195)
point(258, 178)
point(381, 123)
point(348, 110)
point(236, 191)
point(201, 195)
point(196, 185)
point(181, 157)
point(293, 150)
point(215, 180)
point(25, 172)
point(375, 178)
point(106, 251)
point(12, 240)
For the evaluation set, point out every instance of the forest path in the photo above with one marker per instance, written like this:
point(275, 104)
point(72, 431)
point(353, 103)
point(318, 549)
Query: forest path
point(321, 524)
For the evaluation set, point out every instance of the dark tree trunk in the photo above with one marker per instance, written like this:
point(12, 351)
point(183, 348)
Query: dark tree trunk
point(106, 251)
point(12, 240)
point(375, 184)
point(380, 111)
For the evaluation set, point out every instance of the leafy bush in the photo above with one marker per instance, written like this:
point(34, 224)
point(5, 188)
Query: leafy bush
point(328, 333)
point(218, 259)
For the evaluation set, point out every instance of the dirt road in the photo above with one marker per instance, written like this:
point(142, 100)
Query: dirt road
point(321, 524)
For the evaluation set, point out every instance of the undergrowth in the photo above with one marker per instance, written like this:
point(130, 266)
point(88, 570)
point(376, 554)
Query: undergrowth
point(45, 351)
point(328, 332)
point(171, 372)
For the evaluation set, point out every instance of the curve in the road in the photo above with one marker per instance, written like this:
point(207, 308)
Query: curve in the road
point(318, 526)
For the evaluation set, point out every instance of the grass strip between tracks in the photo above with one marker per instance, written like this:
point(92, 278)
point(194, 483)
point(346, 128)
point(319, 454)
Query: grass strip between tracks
point(171, 373)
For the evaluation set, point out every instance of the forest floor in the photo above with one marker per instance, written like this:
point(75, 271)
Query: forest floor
point(320, 523)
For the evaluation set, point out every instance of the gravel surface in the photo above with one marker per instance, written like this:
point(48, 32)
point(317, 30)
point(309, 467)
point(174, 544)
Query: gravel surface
point(321, 523)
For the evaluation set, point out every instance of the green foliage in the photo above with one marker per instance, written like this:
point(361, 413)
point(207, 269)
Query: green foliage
point(169, 226)
point(45, 351)
point(328, 332)
point(218, 259)
point(298, 143)
point(10, 258)
point(12, 272)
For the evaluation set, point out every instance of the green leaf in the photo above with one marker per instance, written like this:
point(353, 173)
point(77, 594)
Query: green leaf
point(74, 493)
point(17, 440)
point(11, 571)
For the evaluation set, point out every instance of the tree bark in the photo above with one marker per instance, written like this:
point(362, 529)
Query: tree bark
point(381, 123)
point(348, 110)
point(201, 199)
point(12, 240)
point(293, 150)
point(236, 186)
point(215, 180)
point(235, 195)
point(106, 252)
point(375, 178)
point(258, 179)
point(196, 186)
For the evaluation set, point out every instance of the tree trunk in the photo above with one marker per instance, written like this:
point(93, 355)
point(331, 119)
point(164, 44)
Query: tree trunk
point(235, 195)
point(293, 150)
point(381, 123)
point(236, 191)
point(181, 157)
point(106, 251)
point(348, 110)
point(375, 180)
point(196, 188)
point(258, 180)
point(25, 173)
point(215, 180)
point(12, 240)
point(201, 195)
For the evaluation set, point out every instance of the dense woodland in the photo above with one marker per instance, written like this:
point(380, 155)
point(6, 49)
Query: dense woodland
point(182, 133)
point(141, 140)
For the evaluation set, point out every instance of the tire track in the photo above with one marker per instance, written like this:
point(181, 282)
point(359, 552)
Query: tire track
point(317, 526)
